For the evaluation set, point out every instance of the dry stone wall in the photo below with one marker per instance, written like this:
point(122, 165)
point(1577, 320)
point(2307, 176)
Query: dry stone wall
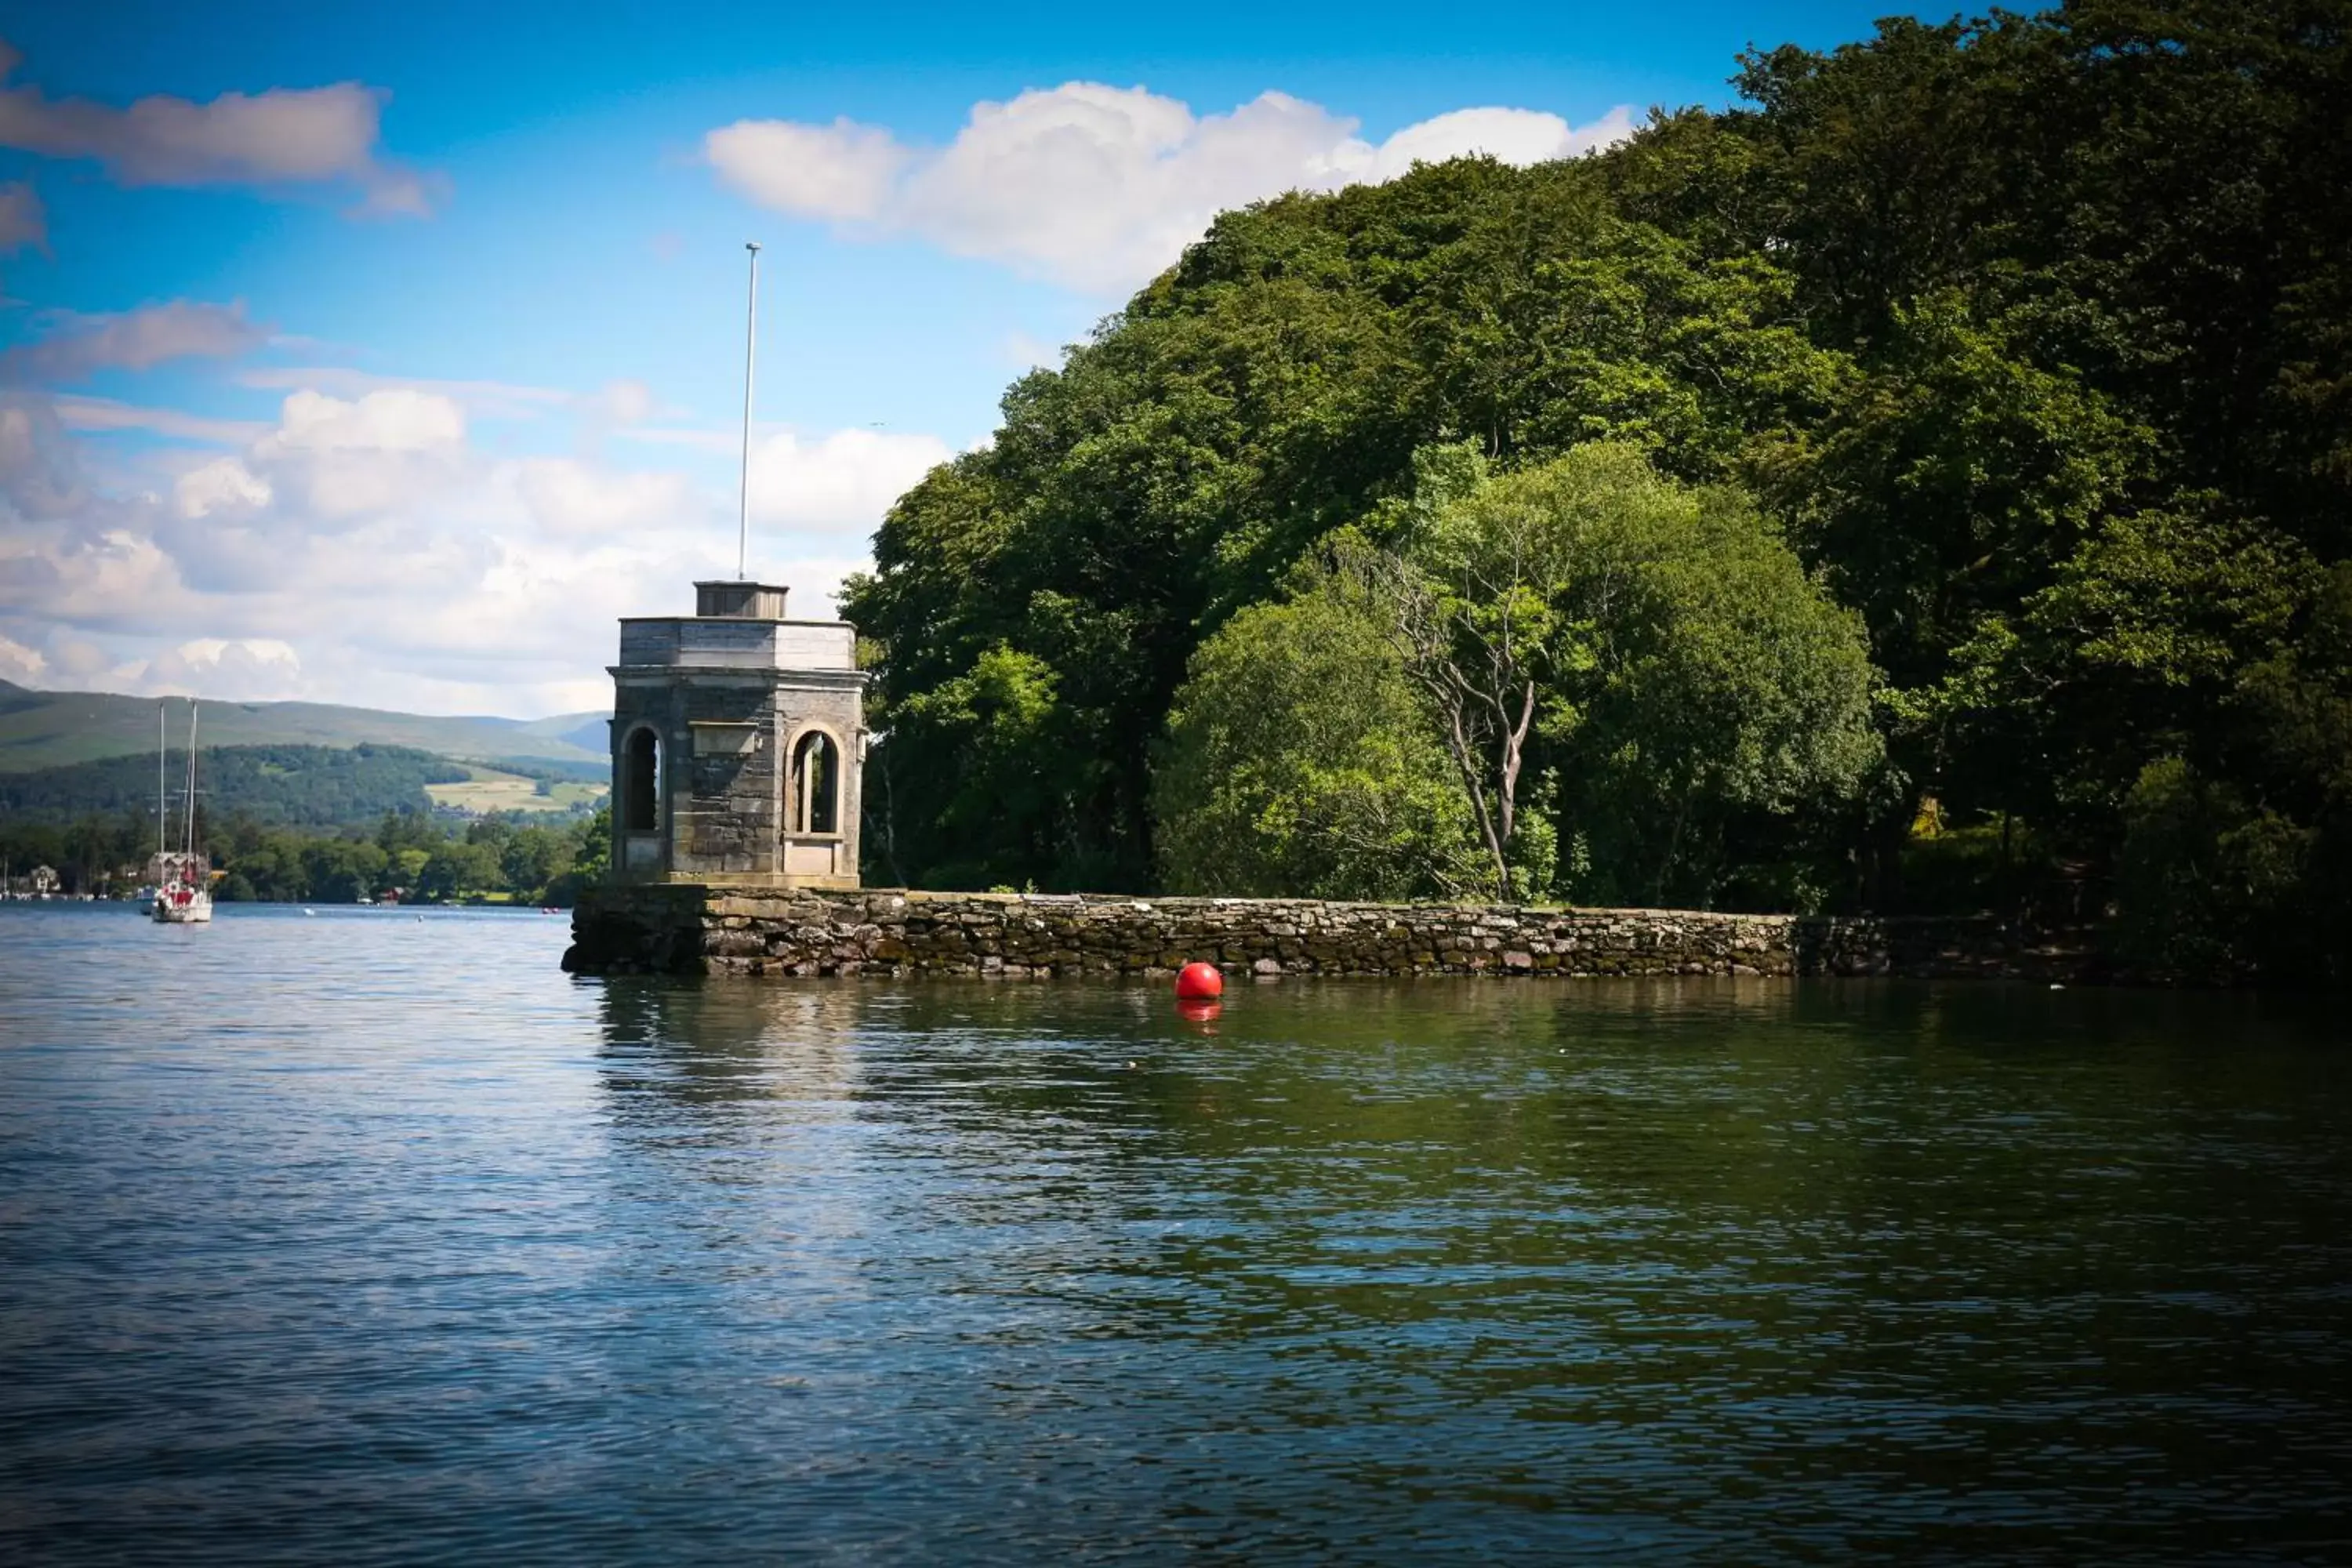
point(693, 930)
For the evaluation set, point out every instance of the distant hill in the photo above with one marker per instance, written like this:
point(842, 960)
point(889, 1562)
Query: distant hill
point(292, 786)
point(590, 732)
point(51, 729)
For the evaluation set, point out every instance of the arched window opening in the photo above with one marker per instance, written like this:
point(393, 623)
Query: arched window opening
point(816, 784)
point(640, 781)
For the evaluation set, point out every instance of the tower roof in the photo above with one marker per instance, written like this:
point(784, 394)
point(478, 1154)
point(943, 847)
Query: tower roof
point(735, 600)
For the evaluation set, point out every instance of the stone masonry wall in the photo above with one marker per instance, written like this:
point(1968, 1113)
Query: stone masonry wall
point(692, 930)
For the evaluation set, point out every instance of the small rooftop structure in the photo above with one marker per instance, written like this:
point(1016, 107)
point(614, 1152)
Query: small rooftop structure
point(740, 601)
point(738, 744)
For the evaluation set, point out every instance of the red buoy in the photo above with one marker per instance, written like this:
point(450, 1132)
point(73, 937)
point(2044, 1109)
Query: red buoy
point(1199, 983)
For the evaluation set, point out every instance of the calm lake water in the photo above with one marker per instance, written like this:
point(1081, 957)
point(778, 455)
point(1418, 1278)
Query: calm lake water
point(361, 1238)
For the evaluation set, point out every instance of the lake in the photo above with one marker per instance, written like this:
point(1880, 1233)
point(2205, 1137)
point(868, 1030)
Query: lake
point(370, 1237)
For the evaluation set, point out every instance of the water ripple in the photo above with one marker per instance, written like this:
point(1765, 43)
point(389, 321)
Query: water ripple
point(372, 1239)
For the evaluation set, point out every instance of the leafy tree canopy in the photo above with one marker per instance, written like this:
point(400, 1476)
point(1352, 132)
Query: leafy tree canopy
point(2031, 336)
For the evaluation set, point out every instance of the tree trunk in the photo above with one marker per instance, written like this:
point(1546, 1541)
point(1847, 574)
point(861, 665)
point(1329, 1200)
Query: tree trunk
point(1466, 762)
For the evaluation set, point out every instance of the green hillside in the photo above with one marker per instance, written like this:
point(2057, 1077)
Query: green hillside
point(52, 728)
point(296, 786)
point(589, 730)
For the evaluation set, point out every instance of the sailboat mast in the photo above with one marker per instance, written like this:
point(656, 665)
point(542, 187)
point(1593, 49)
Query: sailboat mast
point(163, 805)
point(189, 828)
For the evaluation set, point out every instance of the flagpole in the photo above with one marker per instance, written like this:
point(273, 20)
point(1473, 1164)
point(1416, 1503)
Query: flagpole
point(751, 364)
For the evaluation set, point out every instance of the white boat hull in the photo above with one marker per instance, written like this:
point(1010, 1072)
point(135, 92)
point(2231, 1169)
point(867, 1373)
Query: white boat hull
point(188, 908)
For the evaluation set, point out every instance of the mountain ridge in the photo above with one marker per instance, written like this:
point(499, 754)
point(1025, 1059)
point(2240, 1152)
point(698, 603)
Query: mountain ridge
point(53, 729)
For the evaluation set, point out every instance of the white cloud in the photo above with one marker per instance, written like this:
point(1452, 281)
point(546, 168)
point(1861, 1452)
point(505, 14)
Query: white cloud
point(98, 576)
point(68, 662)
point(76, 656)
point(77, 345)
point(238, 669)
point(572, 498)
point(223, 485)
point(622, 402)
point(337, 462)
point(698, 438)
point(1516, 136)
point(838, 171)
point(483, 399)
point(364, 550)
point(840, 484)
point(1100, 187)
point(281, 137)
point(816, 583)
point(394, 419)
point(22, 665)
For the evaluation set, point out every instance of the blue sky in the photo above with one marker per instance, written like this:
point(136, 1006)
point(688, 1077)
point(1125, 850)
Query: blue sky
point(395, 374)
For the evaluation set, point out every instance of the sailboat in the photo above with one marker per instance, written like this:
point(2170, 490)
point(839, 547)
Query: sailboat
point(183, 878)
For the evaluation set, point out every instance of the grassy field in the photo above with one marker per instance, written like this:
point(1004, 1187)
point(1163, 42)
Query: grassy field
point(491, 790)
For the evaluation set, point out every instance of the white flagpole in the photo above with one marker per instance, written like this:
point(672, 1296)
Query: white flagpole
point(750, 362)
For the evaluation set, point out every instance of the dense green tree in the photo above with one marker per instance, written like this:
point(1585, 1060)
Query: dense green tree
point(1584, 644)
point(90, 853)
point(2031, 333)
point(2093, 267)
point(590, 856)
point(1270, 389)
point(342, 870)
point(2213, 883)
point(410, 829)
point(1653, 648)
point(1300, 760)
point(1478, 598)
point(458, 869)
point(995, 817)
point(535, 856)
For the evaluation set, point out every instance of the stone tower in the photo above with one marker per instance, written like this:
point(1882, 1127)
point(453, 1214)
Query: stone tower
point(737, 743)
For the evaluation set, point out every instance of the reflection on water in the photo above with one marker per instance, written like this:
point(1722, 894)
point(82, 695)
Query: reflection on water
point(403, 1245)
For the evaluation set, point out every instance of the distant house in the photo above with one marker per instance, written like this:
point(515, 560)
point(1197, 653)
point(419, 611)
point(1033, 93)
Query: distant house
point(44, 882)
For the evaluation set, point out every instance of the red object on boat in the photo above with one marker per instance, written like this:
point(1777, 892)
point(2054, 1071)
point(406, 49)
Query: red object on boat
point(1199, 983)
